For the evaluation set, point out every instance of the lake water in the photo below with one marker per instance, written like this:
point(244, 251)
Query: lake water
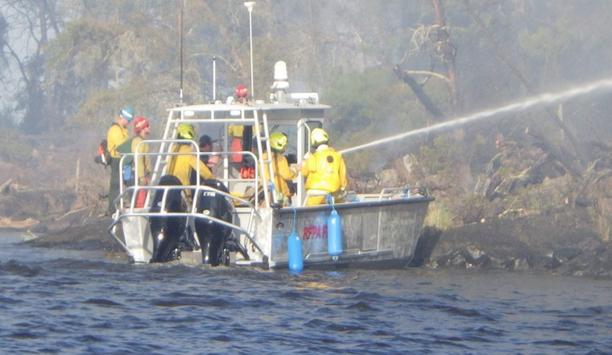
point(56, 301)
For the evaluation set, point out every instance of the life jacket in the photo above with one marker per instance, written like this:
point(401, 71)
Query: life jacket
point(247, 169)
point(116, 135)
point(247, 172)
point(241, 141)
point(141, 197)
point(282, 174)
point(324, 171)
point(235, 133)
point(235, 147)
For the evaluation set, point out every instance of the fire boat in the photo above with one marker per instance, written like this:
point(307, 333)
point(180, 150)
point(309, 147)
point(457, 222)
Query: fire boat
point(236, 219)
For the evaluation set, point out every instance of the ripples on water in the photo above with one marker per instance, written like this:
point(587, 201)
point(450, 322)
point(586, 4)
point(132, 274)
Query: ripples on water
point(66, 302)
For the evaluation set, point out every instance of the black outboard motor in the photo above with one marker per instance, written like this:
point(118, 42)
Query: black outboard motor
point(167, 231)
point(215, 239)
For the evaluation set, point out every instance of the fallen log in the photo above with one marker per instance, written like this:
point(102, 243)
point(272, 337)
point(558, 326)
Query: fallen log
point(4, 188)
point(8, 223)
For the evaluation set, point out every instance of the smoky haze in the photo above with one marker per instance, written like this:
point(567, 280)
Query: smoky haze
point(385, 67)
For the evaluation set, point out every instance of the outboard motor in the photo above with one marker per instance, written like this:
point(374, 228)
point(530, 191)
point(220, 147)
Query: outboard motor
point(167, 231)
point(216, 240)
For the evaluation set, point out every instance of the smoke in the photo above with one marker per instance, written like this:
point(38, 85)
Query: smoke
point(543, 99)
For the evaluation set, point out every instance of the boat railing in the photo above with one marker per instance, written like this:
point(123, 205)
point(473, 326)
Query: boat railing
point(254, 182)
point(217, 113)
point(192, 211)
point(225, 114)
point(161, 154)
point(389, 193)
point(314, 193)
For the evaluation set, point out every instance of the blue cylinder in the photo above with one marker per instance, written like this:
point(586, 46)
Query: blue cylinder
point(294, 246)
point(334, 234)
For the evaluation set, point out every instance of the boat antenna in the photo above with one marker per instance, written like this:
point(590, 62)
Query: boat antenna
point(249, 5)
point(214, 60)
point(182, 6)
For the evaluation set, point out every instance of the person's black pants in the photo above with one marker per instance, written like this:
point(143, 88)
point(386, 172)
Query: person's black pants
point(113, 190)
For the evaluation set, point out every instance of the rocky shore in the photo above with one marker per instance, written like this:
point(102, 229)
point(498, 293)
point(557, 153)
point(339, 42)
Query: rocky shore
point(90, 235)
point(523, 244)
point(534, 243)
point(525, 211)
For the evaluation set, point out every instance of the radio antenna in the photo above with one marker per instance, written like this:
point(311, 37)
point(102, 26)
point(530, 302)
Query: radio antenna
point(249, 5)
point(214, 65)
point(182, 5)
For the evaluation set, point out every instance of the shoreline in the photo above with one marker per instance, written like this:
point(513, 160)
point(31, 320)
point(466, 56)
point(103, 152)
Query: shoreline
point(527, 244)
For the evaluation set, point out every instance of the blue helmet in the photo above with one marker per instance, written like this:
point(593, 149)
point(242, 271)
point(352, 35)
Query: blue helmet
point(127, 113)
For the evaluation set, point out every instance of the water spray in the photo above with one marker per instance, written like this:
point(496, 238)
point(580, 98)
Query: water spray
point(547, 98)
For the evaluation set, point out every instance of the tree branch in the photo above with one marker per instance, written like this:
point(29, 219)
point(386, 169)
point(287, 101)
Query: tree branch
point(22, 68)
point(420, 94)
point(52, 16)
point(16, 6)
point(427, 72)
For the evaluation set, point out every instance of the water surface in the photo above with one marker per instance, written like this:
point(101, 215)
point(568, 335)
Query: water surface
point(78, 302)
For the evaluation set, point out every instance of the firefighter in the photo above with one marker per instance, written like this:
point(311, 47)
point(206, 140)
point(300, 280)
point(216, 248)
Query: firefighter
point(283, 173)
point(182, 164)
point(116, 135)
point(324, 171)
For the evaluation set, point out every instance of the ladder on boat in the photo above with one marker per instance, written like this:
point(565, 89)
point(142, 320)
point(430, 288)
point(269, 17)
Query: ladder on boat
point(263, 136)
point(259, 123)
point(261, 133)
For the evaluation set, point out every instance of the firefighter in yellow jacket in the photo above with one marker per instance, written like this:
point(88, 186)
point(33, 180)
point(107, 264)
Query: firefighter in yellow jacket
point(116, 135)
point(283, 173)
point(324, 171)
point(186, 161)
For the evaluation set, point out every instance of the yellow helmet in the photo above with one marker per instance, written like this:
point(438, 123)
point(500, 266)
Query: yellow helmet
point(185, 131)
point(318, 136)
point(278, 141)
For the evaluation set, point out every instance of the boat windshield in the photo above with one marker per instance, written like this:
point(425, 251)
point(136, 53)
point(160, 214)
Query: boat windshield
point(291, 130)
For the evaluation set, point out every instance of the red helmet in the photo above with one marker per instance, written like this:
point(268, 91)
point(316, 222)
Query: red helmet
point(241, 91)
point(140, 123)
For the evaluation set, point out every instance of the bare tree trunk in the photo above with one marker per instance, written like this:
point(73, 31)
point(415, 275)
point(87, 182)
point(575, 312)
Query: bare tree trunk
point(35, 13)
point(447, 51)
point(42, 19)
point(419, 92)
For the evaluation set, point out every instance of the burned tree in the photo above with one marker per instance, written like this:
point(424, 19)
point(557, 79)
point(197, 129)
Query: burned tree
point(435, 40)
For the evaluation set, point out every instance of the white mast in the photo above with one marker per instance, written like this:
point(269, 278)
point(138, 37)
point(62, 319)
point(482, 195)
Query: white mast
point(249, 5)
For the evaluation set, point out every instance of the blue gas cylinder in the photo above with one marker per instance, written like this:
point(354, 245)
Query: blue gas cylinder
point(334, 234)
point(294, 246)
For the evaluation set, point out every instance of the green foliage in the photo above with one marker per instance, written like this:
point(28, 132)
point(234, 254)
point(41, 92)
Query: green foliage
point(113, 52)
point(481, 152)
point(441, 157)
point(115, 61)
point(469, 208)
point(82, 46)
point(370, 105)
point(544, 198)
point(439, 216)
point(12, 147)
